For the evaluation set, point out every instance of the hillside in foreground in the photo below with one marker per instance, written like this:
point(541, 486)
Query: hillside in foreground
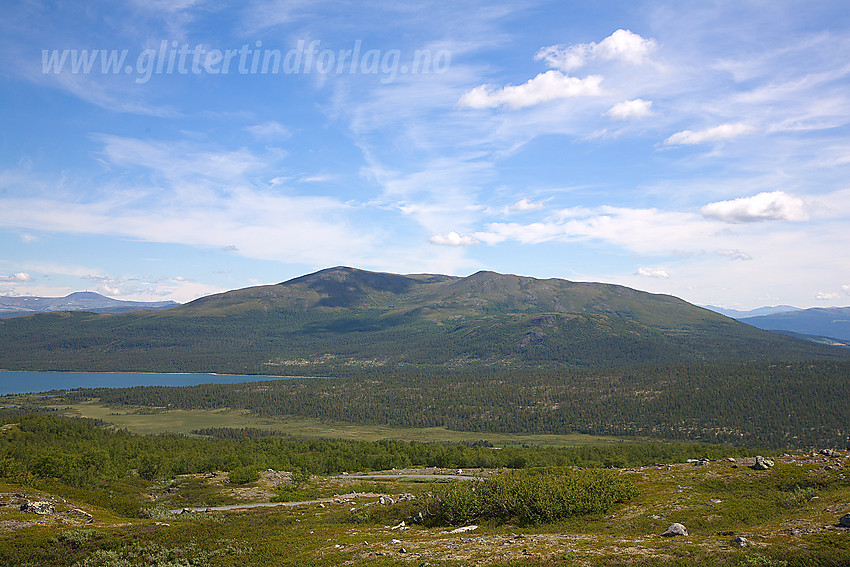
point(342, 318)
point(75, 495)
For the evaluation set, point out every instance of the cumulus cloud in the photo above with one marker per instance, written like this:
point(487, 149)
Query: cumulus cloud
point(526, 205)
point(653, 272)
point(716, 134)
point(826, 296)
point(622, 45)
point(20, 277)
point(775, 205)
point(454, 239)
point(636, 108)
point(846, 289)
point(551, 85)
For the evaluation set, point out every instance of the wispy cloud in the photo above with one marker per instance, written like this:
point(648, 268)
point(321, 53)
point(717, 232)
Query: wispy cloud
point(714, 134)
point(652, 272)
point(269, 130)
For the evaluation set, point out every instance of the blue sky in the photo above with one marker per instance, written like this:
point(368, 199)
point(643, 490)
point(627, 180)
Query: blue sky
point(697, 149)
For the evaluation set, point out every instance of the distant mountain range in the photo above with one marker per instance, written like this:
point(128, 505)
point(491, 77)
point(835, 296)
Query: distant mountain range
point(818, 324)
point(341, 319)
point(79, 301)
point(818, 321)
point(736, 314)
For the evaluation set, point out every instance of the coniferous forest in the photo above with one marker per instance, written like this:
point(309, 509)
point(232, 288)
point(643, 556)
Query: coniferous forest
point(745, 403)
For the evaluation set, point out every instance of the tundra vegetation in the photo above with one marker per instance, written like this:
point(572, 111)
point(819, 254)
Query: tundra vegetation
point(112, 494)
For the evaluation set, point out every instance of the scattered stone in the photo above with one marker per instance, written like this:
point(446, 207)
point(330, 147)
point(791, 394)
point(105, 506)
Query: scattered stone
point(395, 541)
point(402, 550)
point(715, 500)
point(701, 464)
point(321, 505)
point(691, 461)
point(731, 459)
point(463, 529)
point(37, 507)
point(844, 522)
point(830, 453)
point(675, 529)
point(656, 517)
point(82, 513)
point(385, 500)
point(401, 526)
point(741, 541)
point(761, 464)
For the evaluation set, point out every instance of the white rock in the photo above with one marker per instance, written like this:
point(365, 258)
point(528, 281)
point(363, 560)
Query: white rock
point(675, 529)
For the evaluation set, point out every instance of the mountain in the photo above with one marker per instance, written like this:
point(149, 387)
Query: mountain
point(736, 314)
point(343, 319)
point(79, 301)
point(820, 321)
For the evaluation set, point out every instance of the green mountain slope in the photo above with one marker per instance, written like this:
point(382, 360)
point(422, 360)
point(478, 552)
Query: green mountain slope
point(343, 318)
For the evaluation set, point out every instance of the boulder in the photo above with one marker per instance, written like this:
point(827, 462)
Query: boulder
point(37, 507)
point(761, 464)
point(844, 522)
point(675, 529)
point(385, 500)
point(741, 541)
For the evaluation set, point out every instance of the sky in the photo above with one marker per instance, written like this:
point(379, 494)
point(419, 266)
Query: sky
point(170, 149)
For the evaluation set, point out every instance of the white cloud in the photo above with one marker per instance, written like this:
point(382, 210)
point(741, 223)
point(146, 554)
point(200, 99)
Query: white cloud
point(716, 134)
point(846, 289)
point(20, 277)
point(734, 254)
point(526, 205)
point(551, 85)
point(653, 273)
point(622, 45)
point(826, 296)
point(637, 108)
point(776, 205)
point(202, 197)
point(269, 130)
point(454, 239)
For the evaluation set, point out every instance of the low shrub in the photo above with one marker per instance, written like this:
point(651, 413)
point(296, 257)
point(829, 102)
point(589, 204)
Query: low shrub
point(529, 497)
point(244, 475)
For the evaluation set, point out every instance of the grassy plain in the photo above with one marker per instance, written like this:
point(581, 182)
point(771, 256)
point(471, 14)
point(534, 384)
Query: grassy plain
point(154, 421)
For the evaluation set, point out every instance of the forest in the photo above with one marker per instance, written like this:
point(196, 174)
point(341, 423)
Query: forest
point(743, 403)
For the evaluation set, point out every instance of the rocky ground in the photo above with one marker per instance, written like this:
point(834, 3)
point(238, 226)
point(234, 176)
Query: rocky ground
point(725, 508)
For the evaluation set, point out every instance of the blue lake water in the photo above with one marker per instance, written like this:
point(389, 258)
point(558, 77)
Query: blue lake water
point(26, 382)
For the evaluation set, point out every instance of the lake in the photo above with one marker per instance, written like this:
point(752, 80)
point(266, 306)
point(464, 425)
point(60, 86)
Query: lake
point(26, 382)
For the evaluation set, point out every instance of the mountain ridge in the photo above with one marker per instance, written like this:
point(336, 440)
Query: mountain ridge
point(831, 322)
point(17, 306)
point(344, 318)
